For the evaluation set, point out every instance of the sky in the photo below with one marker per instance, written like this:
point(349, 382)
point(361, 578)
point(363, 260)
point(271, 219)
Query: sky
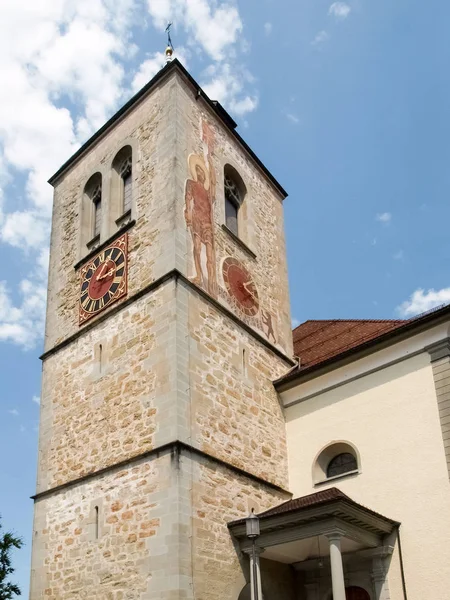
point(345, 102)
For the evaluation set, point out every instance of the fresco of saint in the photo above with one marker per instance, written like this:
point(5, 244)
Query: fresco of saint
point(199, 211)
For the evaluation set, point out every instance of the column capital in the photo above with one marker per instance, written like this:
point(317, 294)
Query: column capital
point(335, 535)
point(439, 350)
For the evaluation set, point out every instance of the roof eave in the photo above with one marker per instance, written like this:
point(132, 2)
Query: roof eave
point(373, 519)
point(393, 336)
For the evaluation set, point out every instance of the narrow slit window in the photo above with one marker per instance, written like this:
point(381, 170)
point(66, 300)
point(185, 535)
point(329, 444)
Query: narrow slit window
point(97, 201)
point(126, 176)
point(96, 523)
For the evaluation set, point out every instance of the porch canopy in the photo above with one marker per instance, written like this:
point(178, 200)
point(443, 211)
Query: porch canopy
point(320, 527)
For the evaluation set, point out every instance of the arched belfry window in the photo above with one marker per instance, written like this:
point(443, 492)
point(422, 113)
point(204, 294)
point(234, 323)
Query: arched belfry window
point(122, 186)
point(235, 191)
point(92, 212)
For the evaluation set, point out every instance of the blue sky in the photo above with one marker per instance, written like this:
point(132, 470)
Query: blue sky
point(345, 102)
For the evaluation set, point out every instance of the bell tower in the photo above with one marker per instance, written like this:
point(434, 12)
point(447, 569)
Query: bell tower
point(168, 319)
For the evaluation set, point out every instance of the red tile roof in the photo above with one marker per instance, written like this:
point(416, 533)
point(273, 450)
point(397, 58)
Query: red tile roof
point(306, 501)
point(317, 341)
point(331, 496)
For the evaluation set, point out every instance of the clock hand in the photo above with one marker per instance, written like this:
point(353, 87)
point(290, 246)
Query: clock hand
point(108, 274)
point(100, 275)
point(249, 292)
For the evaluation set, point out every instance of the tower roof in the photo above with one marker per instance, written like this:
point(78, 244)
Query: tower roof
point(221, 113)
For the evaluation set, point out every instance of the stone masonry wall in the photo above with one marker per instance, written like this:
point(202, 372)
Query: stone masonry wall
point(236, 414)
point(131, 554)
point(221, 496)
point(150, 128)
point(97, 411)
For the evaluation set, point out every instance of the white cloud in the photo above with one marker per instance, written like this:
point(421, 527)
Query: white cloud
point(421, 301)
point(14, 412)
point(227, 85)
point(213, 27)
point(268, 28)
point(292, 117)
point(23, 324)
point(340, 10)
point(398, 255)
point(53, 53)
point(150, 67)
point(385, 217)
point(320, 38)
point(295, 323)
point(36, 399)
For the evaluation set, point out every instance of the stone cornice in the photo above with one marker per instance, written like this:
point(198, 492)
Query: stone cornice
point(175, 447)
point(175, 275)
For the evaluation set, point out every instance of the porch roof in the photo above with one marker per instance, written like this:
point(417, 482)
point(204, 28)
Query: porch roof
point(318, 514)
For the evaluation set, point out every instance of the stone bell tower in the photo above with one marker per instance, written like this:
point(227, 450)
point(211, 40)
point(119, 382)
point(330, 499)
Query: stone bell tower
point(167, 320)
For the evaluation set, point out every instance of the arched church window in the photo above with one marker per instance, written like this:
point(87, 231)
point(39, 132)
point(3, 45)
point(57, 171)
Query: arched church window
point(336, 460)
point(340, 464)
point(235, 191)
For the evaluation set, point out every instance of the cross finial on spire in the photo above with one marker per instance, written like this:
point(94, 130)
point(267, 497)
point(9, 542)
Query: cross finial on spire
point(169, 49)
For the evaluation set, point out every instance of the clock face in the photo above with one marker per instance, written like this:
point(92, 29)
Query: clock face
point(240, 286)
point(104, 279)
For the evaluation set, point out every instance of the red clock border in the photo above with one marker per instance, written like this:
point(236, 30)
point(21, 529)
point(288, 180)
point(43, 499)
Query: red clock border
point(122, 244)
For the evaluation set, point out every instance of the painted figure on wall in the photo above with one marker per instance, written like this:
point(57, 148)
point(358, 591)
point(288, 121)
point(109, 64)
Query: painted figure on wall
point(199, 210)
point(267, 324)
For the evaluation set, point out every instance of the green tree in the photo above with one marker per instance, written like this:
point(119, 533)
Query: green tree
point(7, 543)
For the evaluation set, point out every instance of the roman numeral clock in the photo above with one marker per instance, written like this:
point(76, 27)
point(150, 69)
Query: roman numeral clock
point(103, 279)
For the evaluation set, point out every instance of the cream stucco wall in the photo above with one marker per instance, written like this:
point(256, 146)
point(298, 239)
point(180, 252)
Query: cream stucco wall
point(391, 416)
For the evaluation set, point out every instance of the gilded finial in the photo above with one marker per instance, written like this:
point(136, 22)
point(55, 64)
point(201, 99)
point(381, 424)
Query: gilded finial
point(169, 53)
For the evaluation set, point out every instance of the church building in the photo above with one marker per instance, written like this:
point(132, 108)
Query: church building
point(176, 400)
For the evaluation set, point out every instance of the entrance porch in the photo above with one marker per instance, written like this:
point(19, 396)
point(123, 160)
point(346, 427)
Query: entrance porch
point(323, 546)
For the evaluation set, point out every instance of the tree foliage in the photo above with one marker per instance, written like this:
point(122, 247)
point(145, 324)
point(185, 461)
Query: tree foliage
point(7, 544)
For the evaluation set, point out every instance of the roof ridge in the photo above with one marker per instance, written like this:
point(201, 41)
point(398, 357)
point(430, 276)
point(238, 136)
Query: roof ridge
point(352, 321)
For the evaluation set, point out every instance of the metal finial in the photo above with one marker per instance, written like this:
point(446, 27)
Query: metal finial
point(169, 39)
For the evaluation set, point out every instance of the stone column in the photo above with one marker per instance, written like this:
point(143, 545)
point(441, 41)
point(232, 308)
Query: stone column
point(337, 569)
point(379, 579)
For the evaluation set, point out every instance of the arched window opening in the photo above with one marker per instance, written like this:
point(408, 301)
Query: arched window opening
point(338, 459)
point(340, 464)
point(235, 191)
